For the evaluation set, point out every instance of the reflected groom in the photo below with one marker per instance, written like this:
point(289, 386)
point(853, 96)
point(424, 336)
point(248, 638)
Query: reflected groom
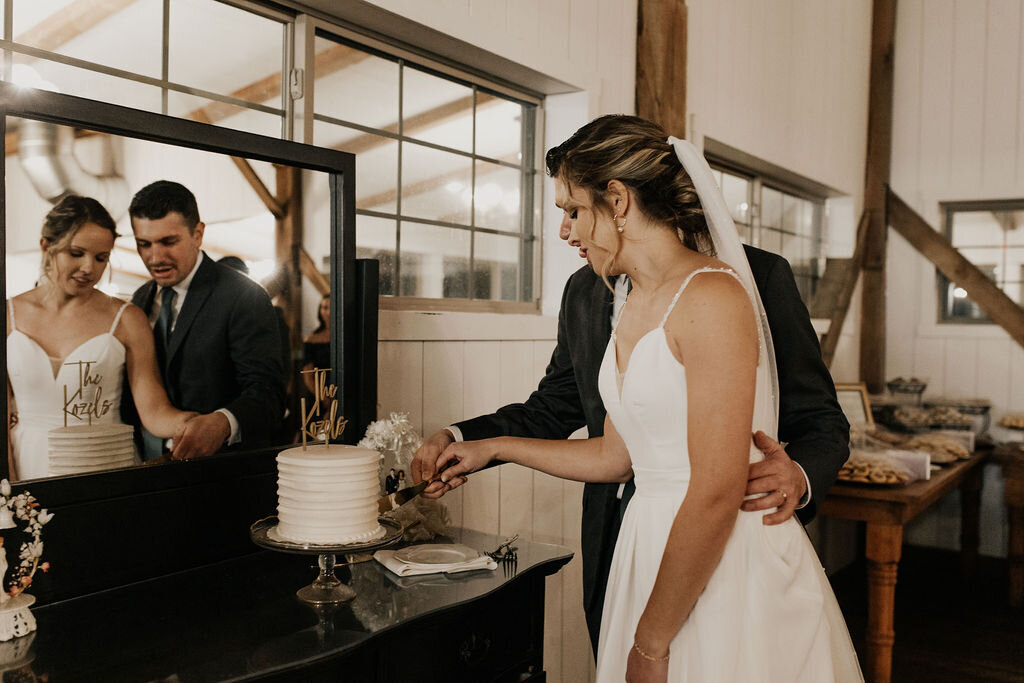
point(215, 330)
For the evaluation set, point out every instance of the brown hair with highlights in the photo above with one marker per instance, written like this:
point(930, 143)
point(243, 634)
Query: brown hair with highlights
point(635, 152)
point(64, 220)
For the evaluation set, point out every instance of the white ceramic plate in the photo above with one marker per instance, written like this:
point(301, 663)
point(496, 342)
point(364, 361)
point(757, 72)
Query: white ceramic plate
point(431, 554)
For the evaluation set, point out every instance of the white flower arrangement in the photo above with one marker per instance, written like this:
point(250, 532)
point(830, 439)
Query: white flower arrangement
point(397, 440)
point(24, 507)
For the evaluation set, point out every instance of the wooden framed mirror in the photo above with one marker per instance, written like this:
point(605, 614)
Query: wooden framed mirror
point(286, 209)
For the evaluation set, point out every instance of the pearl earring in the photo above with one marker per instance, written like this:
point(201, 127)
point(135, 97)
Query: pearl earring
point(617, 226)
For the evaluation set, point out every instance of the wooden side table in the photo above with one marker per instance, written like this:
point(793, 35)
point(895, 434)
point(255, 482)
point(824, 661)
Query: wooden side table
point(1011, 457)
point(886, 511)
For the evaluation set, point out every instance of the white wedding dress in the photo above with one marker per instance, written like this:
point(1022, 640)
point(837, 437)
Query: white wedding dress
point(38, 382)
point(768, 613)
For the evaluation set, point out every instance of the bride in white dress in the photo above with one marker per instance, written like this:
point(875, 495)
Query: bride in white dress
point(62, 324)
point(698, 590)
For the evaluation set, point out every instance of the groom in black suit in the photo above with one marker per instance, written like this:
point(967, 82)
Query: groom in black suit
point(215, 330)
point(812, 426)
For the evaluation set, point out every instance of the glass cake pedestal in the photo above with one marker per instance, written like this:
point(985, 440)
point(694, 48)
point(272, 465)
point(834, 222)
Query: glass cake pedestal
point(326, 589)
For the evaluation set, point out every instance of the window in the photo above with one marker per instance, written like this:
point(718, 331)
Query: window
point(196, 59)
point(779, 221)
point(991, 236)
point(445, 172)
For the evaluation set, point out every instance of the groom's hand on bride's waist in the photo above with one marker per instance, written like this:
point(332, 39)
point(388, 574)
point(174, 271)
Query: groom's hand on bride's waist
point(777, 481)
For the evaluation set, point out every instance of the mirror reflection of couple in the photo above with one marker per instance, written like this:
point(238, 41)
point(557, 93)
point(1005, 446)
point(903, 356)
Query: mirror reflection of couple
point(694, 567)
point(196, 354)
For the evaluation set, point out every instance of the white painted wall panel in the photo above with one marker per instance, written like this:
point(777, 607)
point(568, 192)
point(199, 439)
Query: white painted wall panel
point(958, 136)
point(764, 76)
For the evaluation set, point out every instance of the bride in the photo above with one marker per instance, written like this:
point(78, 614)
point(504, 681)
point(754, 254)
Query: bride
point(699, 590)
point(66, 333)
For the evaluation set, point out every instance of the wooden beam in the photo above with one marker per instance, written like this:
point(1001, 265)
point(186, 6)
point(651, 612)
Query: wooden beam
point(661, 63)
point(274, 206)
point(876, 179)
point(312, 273)
point(835, 327)
point(936, 248)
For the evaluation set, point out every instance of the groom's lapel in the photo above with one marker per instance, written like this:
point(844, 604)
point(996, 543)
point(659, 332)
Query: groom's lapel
point(199, 291)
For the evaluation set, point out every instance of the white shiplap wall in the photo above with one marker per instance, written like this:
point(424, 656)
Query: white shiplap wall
point(445, 367)
point(785, 81)
point(958, 134)
point(759, 89)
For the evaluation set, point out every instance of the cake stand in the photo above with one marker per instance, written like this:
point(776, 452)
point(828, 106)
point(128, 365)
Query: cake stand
point(326, 589)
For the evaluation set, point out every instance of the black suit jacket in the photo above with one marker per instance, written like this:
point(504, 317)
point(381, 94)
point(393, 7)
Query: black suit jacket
point(567, 398)
point(224, 351)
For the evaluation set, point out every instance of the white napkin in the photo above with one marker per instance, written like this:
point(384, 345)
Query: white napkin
point(387, 558)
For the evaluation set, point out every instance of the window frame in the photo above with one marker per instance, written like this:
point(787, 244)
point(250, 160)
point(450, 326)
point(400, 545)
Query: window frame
point(8, 47)
point(309, 28)
point(760, 180)
point(949, 209)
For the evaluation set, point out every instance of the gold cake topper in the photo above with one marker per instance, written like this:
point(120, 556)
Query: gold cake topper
point(329, 424)
point(77, 405)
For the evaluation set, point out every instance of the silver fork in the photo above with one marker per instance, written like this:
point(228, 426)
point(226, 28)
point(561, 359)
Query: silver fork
point(505, 547)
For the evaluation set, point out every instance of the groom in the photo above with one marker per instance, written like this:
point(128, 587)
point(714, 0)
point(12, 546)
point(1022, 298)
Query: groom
point(215, 330)
point(811, 423)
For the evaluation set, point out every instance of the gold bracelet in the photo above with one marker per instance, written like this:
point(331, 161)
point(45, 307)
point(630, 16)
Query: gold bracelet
point(648, 657)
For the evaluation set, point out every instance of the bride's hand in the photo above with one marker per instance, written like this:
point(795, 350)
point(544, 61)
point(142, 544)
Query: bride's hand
point(640, 669)
point(463, 457)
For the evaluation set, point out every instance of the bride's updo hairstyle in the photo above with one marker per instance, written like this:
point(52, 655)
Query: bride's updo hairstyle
point(64, 220)
point(635, 152)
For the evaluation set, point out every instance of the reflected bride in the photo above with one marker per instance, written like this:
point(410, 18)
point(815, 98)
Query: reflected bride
point(68, 346)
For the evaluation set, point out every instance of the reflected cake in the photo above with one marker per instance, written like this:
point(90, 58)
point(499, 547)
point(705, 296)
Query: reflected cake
point(327, 495)
point(88, 448)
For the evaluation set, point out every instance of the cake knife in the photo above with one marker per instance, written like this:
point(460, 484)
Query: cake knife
point(395, 500)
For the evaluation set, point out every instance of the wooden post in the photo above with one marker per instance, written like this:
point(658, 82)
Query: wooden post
point(876, 178)
point(288, 244)
point(661, 63)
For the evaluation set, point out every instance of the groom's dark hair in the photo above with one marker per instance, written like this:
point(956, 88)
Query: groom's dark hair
point(158, 199)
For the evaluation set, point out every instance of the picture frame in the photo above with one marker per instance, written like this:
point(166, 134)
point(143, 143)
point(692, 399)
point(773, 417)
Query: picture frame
point(853, 399)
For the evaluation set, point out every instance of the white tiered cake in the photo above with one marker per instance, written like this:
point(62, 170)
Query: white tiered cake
point(327, 495)
point(87, 448)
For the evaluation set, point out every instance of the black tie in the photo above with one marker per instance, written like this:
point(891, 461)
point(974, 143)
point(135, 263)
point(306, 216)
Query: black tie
point(162, 329)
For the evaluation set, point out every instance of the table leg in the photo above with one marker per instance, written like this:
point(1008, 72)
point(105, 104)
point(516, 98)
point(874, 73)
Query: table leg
point(1014, 475)
point(970, 506)
point(884, 545)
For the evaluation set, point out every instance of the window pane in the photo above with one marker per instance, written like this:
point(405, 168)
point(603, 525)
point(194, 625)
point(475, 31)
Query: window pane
point(376, 239)
point(436, 185)
point(806, 223)
point(202, 54)
point(121, 35)
point(771, 240)
point(736, 191)
point(223, 114)
point(989, 259)
point(496, 201)
point(792, 250)
point(496, 267)
point(771, 208)
point(499, 128)
point(791, 207)
point(437, 110)
point(1012, 223)
point(976, 228)
point(71, 80)
point(356, 86)
point(376, 164)
point(434, 262)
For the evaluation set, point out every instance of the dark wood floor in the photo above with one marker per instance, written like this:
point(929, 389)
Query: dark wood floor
point(947, 628)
